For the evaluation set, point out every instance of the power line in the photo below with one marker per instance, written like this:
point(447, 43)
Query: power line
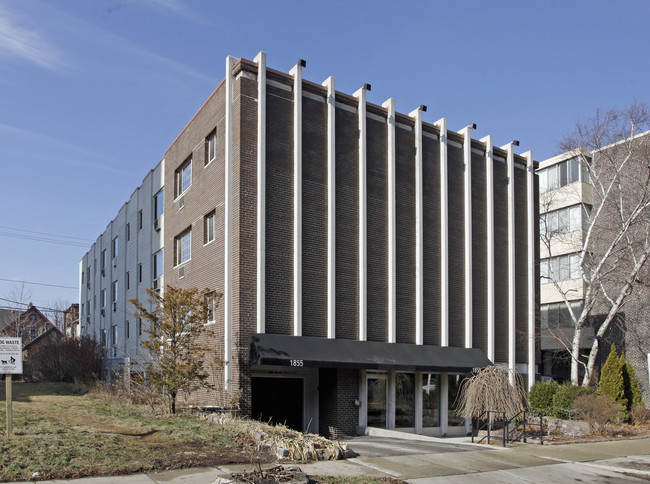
point(39, 284)
point(45, 233)
point(43, 239)
point(27, 305)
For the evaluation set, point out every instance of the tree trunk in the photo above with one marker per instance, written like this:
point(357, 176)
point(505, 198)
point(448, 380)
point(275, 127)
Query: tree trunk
point(575, 354)
point(172, 403)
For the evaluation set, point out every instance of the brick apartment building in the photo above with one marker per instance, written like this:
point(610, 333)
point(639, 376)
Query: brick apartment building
point(368, 260)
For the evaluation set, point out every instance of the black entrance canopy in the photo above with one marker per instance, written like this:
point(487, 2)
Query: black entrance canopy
point(276, 349)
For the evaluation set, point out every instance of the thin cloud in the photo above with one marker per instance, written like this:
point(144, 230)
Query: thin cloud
point(104, 163)
point(17, 41)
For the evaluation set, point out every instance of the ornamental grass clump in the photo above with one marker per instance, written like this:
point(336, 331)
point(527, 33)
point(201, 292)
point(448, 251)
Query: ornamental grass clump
point(490, 390)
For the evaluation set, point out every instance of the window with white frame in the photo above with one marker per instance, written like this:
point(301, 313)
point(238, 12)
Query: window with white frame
point(557, 315)
point(564, 221)
point(114, 291)
point(210, 227)
point(115, 246)
point(211, 304)
point(158, 264)
point(103, 298)
point(103, 259)
point(559, 175)
point(560, 268)
point(211, 147)
point(158, 204)
point(184, 177)
point(114, 334)
point(183, 244)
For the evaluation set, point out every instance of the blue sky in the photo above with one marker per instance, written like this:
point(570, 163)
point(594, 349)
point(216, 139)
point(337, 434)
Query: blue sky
point(93, 92)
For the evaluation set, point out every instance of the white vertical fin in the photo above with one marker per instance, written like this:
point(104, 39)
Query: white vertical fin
point(467, 191)
point(444, 236)
point(489, 220)
point(227, 289)
point(530, 206)
point(260, 59)
point(511, 259)
point(363, 217)
point(331, 207)
point(392, 296)
point(419, 229)
point(296, 72)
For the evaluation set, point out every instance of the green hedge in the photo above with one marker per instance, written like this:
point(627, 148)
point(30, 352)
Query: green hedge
point(540, 396)
point(564, 398)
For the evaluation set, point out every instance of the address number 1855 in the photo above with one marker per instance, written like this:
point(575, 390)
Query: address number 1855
point(297, 362)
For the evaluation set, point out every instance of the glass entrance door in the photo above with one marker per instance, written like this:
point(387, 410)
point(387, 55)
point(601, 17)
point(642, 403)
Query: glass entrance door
point(377, 401)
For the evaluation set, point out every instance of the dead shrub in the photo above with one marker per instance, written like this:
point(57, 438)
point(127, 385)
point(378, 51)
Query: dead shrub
point(640, 415)
point(596, 410)
point(67, 360)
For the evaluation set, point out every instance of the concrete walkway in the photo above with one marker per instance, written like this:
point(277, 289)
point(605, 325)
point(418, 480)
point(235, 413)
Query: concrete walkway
point(451, 460)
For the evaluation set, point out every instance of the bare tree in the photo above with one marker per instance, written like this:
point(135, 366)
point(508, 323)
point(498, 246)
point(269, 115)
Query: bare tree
point(17, 299)
point(614, 149)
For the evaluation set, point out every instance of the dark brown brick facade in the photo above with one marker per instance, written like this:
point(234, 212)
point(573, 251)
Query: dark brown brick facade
point(338, 388)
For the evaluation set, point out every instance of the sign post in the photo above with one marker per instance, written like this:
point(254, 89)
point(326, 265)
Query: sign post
point(11, 363)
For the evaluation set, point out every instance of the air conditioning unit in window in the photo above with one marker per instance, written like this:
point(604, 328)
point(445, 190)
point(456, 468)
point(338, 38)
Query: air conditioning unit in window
point(103, 312)
point(156, 224)
point(181, 202)
point(103, 272)
point(181, 272)
point(114, 306)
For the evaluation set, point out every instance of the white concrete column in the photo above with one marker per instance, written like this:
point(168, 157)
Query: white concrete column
point(530, 205)
point(510, 161)
point(227, 289)
point(392, 240)
point(260, 59)
point(419, 229)
point(363, 215)
point(444, 235)
point(296, 72)
point(467, 190)
point(331, 207)
point(489, 220)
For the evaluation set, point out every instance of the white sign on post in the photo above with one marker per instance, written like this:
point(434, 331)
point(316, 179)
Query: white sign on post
point(11, 356)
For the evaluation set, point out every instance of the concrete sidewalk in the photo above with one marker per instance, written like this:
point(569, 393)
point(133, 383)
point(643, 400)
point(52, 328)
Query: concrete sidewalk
point(451, 460)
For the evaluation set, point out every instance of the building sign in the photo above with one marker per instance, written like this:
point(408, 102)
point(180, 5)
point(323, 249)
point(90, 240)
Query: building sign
point(11, 356)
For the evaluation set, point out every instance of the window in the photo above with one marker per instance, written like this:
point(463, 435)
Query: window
point(209, 227)
point(32, 333)
point(115, 247)
point(128, 232)
point(158, 204)
point(157, 264)
point(139, 272)
point(140, 326)
point(103, 259)
point(183, 247)
point(140, 220)
point(128, 280)
point(184, 177)
point(127, 329)
point(211, 303)
point(103, 298)
point(114, 334)
point(564, 221)
point(211, 147)
point(103, 337)
point(561, 174)
point(114, 291)
point(560, 268)
point(557, 315)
